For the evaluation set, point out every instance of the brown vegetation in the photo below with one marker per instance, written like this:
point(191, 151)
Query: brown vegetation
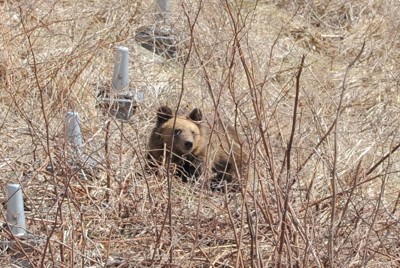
point(312, 85)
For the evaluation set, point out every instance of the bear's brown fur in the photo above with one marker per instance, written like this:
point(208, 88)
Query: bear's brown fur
point(194, 142)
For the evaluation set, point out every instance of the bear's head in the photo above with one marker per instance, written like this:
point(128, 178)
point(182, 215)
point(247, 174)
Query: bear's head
point(183, 131)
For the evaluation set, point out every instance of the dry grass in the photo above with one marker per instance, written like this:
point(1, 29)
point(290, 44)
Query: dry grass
point(323, 135)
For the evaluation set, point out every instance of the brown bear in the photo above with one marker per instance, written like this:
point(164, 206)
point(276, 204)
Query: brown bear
point(194, 142)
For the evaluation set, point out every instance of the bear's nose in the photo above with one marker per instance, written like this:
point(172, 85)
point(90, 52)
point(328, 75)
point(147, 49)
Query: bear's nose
point(188, 145)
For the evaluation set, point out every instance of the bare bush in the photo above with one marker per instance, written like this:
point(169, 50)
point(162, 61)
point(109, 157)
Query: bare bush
point(313, 87)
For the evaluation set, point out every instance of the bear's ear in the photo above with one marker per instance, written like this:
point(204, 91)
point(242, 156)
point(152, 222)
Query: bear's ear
point(164, 113)
point(196, 115)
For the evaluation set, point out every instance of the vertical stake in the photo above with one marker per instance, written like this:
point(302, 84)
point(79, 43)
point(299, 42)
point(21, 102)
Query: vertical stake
point(163, 10)
point(15, 210)
point(120, 79)
point(73, 132)
point(122, 104)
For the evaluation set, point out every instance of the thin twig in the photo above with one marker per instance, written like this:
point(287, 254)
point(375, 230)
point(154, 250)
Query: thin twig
point(289, 181)
point(334, 178)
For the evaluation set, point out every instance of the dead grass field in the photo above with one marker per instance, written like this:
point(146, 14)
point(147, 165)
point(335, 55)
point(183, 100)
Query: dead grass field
point(323, 134)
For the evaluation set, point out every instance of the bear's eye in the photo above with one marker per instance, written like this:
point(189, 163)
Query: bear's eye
point(193, 133)
point(177, 131)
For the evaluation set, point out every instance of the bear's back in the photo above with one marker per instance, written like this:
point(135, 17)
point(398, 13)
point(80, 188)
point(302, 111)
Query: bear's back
point(220, 144)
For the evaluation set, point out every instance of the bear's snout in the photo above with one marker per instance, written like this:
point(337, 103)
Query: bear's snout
point(188, 145)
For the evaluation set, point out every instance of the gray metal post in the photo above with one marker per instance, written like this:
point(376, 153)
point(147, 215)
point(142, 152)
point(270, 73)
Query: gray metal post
point(163, 10)
point(73, 131)
point(120, 79)
point(15, 210)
